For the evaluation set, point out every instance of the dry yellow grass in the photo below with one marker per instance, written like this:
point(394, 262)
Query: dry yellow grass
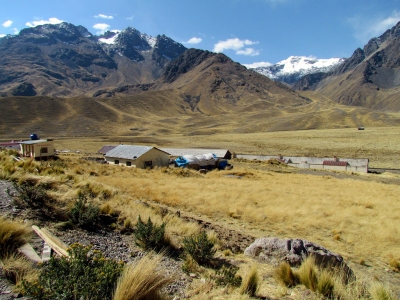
point(12, 235)
point(142, 280)
point(317, 208)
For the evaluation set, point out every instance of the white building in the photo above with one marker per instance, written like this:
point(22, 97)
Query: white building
point(137, 156)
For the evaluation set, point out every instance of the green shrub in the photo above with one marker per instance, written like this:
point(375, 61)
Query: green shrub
point(149, 236)
point(200, 247)
point(85, 275)
point(227, 276)
point(82, 214)
point(30, 195)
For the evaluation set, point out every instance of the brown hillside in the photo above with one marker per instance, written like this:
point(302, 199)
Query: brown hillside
point(160, 113)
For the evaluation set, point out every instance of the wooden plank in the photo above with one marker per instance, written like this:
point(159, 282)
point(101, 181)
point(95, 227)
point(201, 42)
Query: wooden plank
point(56, 244)
point(30, 253)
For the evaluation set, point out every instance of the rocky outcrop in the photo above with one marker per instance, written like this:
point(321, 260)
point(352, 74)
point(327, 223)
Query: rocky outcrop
point(294, 251)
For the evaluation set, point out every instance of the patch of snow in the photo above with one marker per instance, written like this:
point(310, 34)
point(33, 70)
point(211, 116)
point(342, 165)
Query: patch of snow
point(149, 39)
point(111, 40)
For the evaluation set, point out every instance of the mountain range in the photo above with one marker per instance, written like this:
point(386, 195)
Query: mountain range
point(129, 83)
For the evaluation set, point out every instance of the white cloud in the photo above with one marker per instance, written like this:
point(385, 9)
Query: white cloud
point(257, 65)
point(101, 16)
point(101, 27)
point(16, 31)
point(248, 52)
point(7, 23)
point(130, 18)
point(2, 35)
point(365, 29)
point(42, 22)
point(194, 40)
point(237, 45)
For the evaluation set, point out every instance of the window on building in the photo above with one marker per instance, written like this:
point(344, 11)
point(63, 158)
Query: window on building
point(44, 150)
point(128, 164)
point(116, 162)
point(148, 163)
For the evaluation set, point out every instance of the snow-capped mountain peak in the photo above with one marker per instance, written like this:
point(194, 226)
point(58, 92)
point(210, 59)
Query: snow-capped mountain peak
point(294, 67)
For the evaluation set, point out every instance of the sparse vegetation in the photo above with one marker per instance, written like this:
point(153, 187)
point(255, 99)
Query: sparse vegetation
point(30, 195)
point(227, 276)
point(261, 198)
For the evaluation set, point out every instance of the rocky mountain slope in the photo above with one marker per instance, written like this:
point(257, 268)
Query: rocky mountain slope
point(293, 68)
point(66, 60)
point(369, 78)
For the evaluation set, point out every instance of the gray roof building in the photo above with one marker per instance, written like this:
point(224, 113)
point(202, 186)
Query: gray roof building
point(130, 151)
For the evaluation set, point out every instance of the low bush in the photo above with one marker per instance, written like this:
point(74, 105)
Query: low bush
point(199, 247)
point(142, 280)
point(82, 214)
point(226, 276)
point(30, 195)
point(12, 236)
point(149, 236)
point(86, 274)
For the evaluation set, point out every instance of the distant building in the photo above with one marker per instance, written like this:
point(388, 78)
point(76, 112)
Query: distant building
point(10, 145)
point(220, 153)
point(37, 149)
point(137, 156)
point(326, 163)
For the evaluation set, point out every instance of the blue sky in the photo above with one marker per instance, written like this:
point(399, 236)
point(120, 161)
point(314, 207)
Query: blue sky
point(248, 31)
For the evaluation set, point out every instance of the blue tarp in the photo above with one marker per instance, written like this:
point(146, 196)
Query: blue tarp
point(181, 161)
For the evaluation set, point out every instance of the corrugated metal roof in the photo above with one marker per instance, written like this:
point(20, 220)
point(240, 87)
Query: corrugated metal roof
point(334, 163)
point(105, 149)
point(195, 151)
point(31, 142)
point(130, 151)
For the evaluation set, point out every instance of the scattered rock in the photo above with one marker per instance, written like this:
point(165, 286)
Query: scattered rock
point(294, 251)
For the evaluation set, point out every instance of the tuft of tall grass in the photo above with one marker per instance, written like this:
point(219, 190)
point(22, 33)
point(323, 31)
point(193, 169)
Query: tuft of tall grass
point(142, 280)
point(379, 291)
point(12, 236)
point(285, 275)
point(308, 274)
point(17, 268)
point(394, 264)
point(251, 282)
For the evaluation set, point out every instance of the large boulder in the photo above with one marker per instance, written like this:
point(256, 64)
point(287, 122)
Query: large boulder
point(294, 251)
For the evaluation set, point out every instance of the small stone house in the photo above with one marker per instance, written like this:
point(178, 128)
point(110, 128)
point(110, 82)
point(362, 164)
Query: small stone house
point(37, 149)
point(137, 156)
